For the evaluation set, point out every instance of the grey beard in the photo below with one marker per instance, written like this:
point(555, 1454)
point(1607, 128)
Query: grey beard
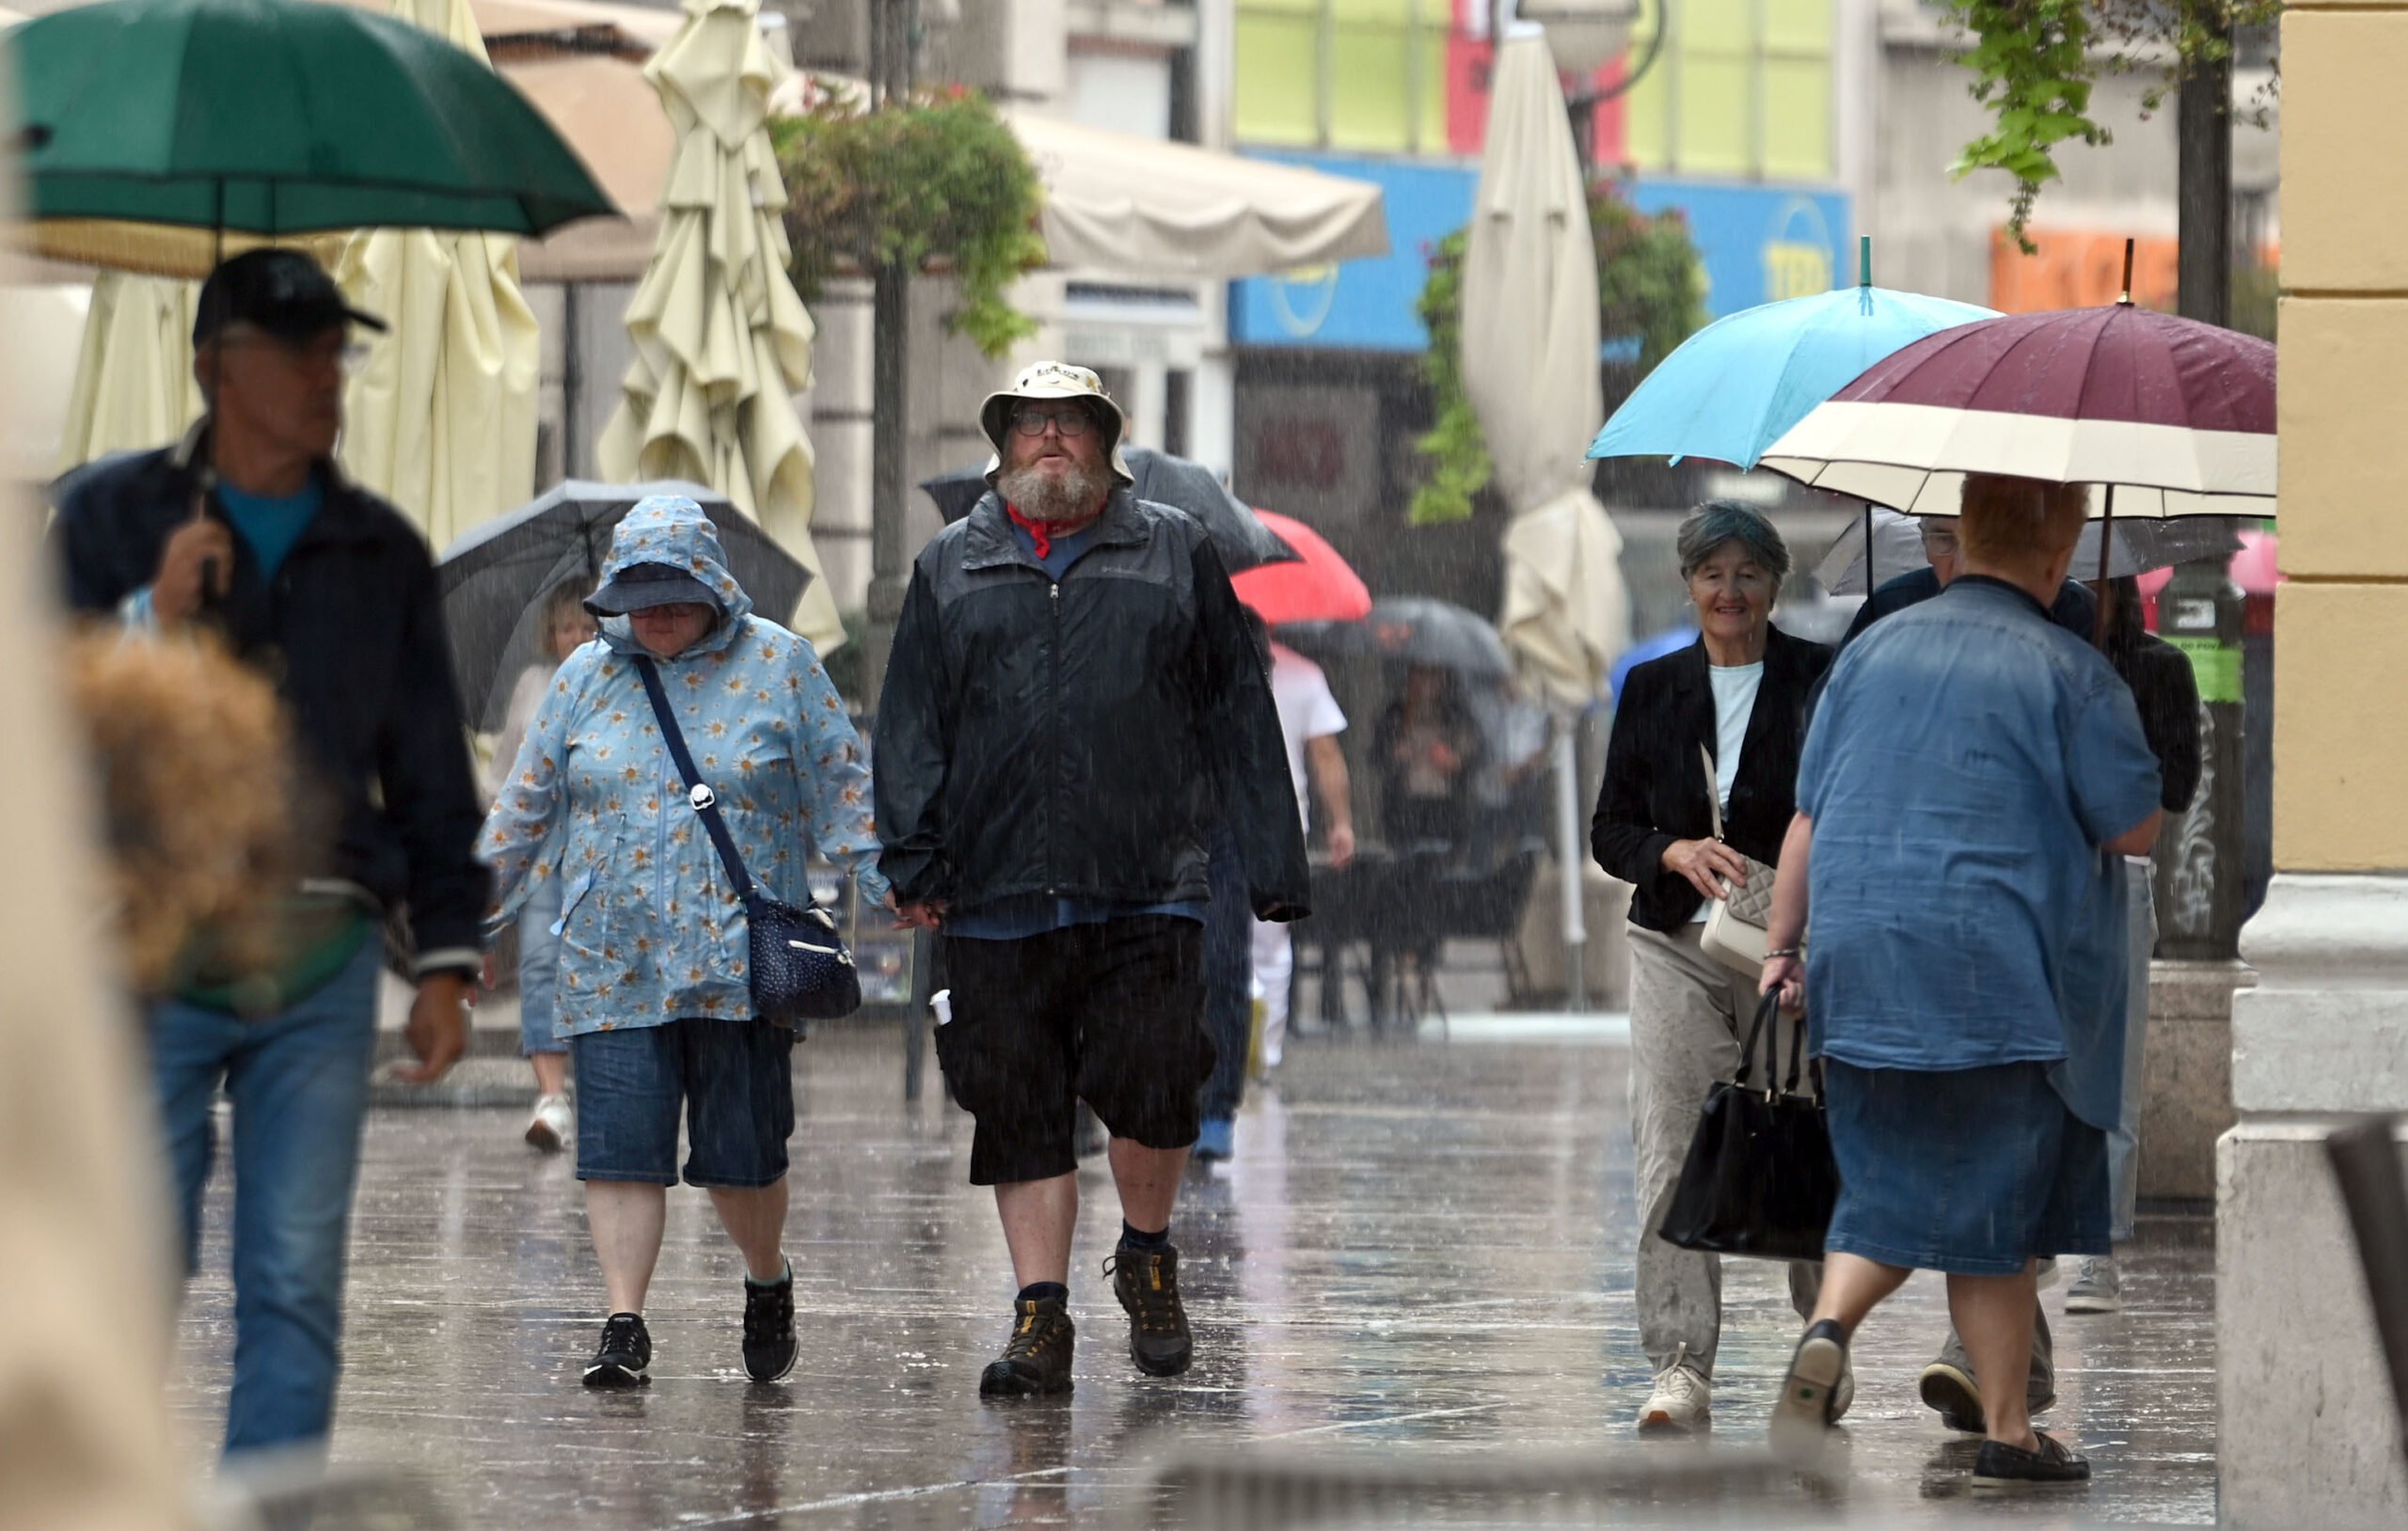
point(1075, 496)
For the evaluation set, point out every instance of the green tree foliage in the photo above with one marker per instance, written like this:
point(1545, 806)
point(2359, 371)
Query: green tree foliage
point(1651, 291)
point(935, 183)
point(2035, 61)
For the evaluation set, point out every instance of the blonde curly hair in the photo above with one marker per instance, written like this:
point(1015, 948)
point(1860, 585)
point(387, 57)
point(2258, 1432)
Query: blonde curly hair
point(194, 762)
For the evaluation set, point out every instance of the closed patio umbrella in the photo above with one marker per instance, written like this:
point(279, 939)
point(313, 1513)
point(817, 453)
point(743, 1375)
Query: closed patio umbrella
point(722, 340)
point(133, 388)
point(441, 420)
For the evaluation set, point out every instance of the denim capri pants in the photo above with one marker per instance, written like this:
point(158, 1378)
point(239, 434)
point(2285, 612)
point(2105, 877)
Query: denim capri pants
point(538, 968)
point(1973, 1172)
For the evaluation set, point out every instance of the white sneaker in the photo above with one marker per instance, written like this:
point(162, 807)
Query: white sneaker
point(1682, 1400)
point(2098, 1287)
point(553, 1126)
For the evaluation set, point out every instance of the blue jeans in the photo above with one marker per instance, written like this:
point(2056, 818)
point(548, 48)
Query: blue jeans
point(299, 1084)
point(1228, 976)
point(539, 970)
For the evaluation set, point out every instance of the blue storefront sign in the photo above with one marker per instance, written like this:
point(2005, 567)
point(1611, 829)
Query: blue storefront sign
point(1757, 244)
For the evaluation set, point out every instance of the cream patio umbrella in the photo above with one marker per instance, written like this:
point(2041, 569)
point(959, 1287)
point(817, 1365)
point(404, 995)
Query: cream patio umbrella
point(1530, 348)
point(441, 420)
point(133, 388)
point(722, 340)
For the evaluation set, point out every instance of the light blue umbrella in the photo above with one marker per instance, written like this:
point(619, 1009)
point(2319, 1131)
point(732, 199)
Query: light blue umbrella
point(1731, 389)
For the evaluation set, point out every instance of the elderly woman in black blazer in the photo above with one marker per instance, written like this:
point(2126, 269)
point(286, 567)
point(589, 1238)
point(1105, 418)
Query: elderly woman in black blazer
point(1740, 693)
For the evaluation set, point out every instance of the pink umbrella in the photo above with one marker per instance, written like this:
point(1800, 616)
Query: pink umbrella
point(2169, 417)
point(1318, 587)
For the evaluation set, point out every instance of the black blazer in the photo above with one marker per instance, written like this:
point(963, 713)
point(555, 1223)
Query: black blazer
point(1655, 790)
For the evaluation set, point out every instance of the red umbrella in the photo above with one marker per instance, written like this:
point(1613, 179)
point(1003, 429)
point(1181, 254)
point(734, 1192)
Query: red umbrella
point(1318, 587)
point(2169, 416)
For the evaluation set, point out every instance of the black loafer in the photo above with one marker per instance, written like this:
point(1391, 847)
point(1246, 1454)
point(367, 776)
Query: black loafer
point(2053, 1466)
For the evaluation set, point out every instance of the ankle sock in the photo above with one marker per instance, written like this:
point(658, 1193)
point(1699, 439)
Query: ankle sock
point(786, 1273)
point(1039, 1291)
point(1132, 1238)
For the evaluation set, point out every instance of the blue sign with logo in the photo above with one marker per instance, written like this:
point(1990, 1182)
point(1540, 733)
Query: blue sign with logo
point(1757, 244)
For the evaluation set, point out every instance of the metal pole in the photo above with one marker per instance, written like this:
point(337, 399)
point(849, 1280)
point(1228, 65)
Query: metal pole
point(1569, 858)
point(572, 377)
point(890, 380)
point(2203, 194)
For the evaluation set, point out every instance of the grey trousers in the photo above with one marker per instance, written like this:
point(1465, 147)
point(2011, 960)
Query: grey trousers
point(1688, 1015)
point(2123, 1143)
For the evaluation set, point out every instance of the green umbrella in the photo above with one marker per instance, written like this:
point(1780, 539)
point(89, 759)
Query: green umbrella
point(280, 116)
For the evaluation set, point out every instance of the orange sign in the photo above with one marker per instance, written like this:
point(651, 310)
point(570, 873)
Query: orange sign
point(2079, 268)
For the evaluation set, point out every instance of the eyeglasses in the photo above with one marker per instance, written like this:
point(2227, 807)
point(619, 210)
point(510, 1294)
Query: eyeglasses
point(1938, 540)
point(1032, 422)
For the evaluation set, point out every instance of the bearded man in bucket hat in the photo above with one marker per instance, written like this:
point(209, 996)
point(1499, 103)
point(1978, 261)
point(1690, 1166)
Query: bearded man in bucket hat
point(1072, 706)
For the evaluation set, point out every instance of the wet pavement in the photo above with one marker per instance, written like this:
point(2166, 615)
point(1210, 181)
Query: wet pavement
point(1418, 1263)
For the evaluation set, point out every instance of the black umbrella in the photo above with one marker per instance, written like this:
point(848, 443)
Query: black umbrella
point(1243, 541)
point(1414, 630)
point(494, 579)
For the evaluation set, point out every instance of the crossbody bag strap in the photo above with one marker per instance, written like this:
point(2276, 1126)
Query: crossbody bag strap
point(698, 793)
point(1713, 794)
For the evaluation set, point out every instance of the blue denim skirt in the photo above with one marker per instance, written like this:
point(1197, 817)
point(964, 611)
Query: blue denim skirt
point(1973, 1172)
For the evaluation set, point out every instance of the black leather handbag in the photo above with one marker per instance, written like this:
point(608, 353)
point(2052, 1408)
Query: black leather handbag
point(800, 969)
point(1759, 1179)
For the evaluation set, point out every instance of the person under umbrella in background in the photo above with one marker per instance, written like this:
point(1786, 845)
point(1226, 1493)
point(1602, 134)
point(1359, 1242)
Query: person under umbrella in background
point(1072, 705)
point(654, 992)
point(1311, 721)
point(1971, 782)
point(566, 626)
point(1428, 747)
point(246, 528)
point(1739, 693)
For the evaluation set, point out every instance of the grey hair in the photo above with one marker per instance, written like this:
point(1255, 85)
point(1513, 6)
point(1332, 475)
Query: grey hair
point(1718, 521)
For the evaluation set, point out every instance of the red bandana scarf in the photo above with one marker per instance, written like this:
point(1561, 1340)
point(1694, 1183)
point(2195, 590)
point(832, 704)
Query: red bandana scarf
point(1037, 531)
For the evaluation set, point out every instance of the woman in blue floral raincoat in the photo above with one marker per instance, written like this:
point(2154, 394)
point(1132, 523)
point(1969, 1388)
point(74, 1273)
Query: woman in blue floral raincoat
point(654, 992)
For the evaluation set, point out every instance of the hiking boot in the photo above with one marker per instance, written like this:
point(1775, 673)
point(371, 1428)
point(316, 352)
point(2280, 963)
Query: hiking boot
point(770, 1345)
point(623, 1359)
point(1680, 1401)
point(2098, 1287)
point(1147, 1283)
point(2053, 1466)
point(1036, 1358)
point(1801, 1416)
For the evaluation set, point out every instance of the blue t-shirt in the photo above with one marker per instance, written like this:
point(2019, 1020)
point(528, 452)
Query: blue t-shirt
point(271, 525)
point(1968, 763)
point(1034, 914)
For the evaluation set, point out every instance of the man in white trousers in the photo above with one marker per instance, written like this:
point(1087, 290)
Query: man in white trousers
point(1311, 721)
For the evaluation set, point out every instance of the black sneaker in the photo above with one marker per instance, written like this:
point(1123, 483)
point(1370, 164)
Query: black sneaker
point(1036, 1358)
point(1147, 1283)
point(1802, 1415)
point(625, 1356)
point(2053, 1466)
point(770, 1345)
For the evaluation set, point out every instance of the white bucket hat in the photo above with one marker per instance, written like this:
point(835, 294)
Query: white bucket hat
point(1046, 380)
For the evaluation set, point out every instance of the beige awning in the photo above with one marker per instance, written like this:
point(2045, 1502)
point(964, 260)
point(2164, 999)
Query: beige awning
point(1117, 202)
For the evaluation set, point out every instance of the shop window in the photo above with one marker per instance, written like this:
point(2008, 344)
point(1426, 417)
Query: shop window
point(1742, 88)
point(1347, 74)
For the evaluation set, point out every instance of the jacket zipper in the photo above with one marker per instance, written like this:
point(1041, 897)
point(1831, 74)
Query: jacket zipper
point(1053, 705)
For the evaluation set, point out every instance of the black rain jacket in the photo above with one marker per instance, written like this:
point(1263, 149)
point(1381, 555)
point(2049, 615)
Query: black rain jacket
point(1080, 739)
point(1655, 791)
point(352, 633)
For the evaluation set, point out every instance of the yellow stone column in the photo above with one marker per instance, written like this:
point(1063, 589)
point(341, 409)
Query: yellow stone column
point(2308, 1435)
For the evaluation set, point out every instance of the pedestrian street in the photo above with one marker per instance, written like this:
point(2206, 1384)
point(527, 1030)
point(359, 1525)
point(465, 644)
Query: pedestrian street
point(1421, 1251)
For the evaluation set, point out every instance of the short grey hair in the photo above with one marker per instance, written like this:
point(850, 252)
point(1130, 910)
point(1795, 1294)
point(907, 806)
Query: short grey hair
point(1718, 521)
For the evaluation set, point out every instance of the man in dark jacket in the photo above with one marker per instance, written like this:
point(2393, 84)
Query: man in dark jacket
point(246, 528)
point(1072, 705)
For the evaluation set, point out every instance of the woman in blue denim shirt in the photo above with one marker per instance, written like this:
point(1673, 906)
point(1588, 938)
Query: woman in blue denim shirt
point(1971, 783)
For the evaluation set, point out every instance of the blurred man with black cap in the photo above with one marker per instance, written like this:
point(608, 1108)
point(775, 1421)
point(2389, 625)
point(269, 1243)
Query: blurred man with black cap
point(246, 528)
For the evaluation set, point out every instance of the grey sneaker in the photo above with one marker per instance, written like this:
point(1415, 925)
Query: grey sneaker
point(2096, 1286)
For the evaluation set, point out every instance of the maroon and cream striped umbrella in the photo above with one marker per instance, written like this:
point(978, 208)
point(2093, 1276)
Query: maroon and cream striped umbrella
point(2169, 417)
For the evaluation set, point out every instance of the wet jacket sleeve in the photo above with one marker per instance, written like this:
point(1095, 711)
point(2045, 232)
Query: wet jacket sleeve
point(914, 750)
point(834, 782)
point(1624, 835)
point(1240, 739)
point(430, 790)
point(526, 810)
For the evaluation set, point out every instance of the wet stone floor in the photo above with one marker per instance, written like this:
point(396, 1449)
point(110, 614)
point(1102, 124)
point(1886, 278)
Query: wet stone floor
point(1417, 1272)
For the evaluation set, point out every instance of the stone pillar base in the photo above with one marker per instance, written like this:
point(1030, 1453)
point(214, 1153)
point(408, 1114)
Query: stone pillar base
point(2308, 1433)
point(2186, 1102)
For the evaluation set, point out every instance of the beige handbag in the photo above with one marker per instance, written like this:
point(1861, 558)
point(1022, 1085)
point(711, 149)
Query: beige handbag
point(1735, 924)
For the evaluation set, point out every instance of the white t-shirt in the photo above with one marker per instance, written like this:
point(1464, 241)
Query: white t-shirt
point(1734, 701)
point(1307, 712)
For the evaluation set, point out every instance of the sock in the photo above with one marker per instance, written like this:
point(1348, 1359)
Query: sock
point(1132, 1238)
point(786, 1271)
point(1039, 1291)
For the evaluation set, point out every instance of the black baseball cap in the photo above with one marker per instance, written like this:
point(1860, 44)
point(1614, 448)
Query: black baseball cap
point(284, 292)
